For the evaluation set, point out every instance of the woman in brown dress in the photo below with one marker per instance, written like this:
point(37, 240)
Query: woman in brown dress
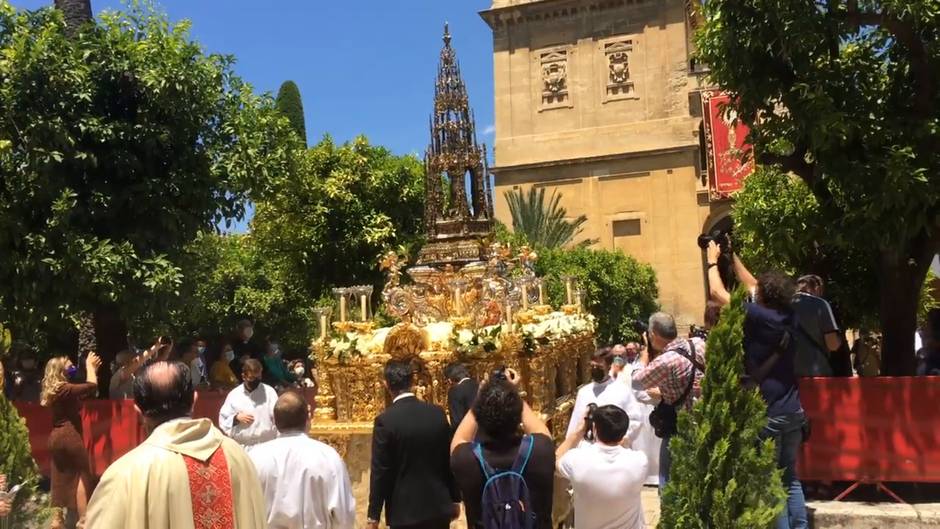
point(71, 469)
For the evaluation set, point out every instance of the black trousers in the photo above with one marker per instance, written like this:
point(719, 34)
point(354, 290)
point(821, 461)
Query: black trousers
point(443, 523)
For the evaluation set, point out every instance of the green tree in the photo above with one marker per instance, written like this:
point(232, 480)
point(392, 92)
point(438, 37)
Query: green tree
point(617, 289)
point(545, 225)
point(722, 476)
point(16, 460)
point(327, 224)
point(117, 147)
point(845, 95)
point(291, 105)
point(776, 203)
point(227, 278)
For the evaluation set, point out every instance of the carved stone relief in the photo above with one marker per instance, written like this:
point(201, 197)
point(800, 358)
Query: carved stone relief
point(554, 68)
point(619, 81)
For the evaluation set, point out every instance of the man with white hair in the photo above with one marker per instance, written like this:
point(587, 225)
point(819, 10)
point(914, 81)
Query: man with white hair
point(673, 375)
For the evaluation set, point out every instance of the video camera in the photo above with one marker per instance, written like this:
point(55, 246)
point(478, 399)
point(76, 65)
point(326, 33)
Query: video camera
point(719, 237)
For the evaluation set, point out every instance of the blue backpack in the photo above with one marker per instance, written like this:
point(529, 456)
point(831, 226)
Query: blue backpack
point(505, 502)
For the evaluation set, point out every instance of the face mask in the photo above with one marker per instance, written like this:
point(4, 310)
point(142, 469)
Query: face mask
point(229, 355)
point(275, 350)
point(29, 363)
point(598, 374)
point(248, 334)
point(252, 384)
point(71, 371)
point(201, 350)
point(299, 371)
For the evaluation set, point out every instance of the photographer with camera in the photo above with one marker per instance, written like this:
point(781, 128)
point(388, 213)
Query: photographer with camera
point(769, 356)
point(607, 478)
point(492, 462)
point(674, 376)
point(604, 389)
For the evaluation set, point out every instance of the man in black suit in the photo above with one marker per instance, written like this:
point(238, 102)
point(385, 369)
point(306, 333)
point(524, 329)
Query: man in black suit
point(411, 474)
point(462, 394)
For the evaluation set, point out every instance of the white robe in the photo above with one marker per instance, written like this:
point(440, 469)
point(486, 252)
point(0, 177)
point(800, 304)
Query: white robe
point(148, 488)
point(260, 404)
point(609, 392)
point(646, 440)
point(305, 484)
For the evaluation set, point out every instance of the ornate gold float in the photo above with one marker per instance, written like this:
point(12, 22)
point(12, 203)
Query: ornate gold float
point(466, 299)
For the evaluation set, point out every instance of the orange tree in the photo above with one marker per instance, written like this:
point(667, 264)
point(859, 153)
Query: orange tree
point(845, 95)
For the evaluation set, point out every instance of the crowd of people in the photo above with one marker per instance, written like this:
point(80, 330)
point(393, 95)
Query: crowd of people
point(488, 451)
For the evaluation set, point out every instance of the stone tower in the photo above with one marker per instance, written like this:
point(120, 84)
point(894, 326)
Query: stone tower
point(457, 218)
point(598, 101)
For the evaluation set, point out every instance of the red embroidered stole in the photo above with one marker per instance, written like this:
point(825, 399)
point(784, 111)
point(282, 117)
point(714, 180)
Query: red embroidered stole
point(211, 489)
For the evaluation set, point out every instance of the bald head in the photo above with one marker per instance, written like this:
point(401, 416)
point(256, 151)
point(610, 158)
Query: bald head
point(163, 391)
point(290, 413)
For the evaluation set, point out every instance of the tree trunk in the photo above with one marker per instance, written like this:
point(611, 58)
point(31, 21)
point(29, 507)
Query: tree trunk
point(111, 337)
point(901, 280)
point(77, 13)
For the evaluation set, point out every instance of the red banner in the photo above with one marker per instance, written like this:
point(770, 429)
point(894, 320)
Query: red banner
point(725, 145)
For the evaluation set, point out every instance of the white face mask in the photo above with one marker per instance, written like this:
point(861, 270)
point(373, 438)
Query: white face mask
point(201, 349)
point(229, 355)
point(299, 371)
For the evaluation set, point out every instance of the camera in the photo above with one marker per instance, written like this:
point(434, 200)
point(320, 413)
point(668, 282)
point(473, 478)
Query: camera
point(589, 422)
point(719, 237)
point(640, 326)
point(698, 332)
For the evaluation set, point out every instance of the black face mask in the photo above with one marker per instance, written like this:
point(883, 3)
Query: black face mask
point(252, 384)
point(598, 374)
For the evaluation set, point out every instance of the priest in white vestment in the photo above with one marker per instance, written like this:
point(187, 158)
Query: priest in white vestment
point(305, 482)
point(186, 475)
point(603, 390)
point(247, 416)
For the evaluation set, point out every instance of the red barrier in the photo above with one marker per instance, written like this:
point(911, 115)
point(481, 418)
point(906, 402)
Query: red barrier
point(112, 427)
point(872, 430)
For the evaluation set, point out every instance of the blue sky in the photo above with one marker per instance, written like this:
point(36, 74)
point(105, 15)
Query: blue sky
point(363, 67)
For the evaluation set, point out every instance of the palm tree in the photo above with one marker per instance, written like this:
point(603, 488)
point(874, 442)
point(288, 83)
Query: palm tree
point(77, 13)
point(544, 225)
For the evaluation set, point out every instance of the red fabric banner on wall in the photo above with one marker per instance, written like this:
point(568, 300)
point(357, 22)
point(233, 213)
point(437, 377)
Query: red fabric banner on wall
point(724, 144)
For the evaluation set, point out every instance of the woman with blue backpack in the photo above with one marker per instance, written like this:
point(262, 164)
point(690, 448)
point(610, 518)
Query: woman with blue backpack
point(505, 476)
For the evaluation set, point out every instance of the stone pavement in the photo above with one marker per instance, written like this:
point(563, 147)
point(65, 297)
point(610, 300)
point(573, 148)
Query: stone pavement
point(841, 515)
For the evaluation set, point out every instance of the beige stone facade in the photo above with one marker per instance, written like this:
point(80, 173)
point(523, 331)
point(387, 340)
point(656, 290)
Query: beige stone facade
point(595, 99)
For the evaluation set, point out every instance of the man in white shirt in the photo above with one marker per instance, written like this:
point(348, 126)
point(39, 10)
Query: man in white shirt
point(606, 390)
point(305, 482)
point(247, 416)
point(606, 477)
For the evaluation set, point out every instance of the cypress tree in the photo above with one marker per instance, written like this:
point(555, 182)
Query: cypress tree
point(16, 460)
point(290, 104)
point(722, 476)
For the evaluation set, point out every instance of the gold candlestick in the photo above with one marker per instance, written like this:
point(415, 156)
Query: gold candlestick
point(323, 327)
point(364, 307)
point(541, 294)
point(342, 309)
